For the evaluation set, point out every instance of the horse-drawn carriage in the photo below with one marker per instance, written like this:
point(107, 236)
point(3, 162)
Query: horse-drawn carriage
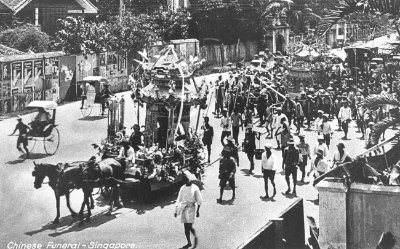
point(44, 129)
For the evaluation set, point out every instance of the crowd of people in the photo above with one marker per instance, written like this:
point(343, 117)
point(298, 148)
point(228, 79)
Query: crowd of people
point(261, 97)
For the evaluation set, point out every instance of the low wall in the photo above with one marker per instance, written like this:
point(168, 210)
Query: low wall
point(356, 219)
point(288, 226)
point(222, 54)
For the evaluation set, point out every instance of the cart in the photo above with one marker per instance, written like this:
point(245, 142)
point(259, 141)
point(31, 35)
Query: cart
point(94, 85)
point(48, 133)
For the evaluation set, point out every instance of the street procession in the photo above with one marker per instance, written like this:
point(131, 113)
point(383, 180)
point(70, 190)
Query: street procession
point(160, 125)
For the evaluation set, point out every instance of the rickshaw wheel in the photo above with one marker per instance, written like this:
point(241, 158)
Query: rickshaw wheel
point(52, 141)
point(31, 143)
point(86, 111)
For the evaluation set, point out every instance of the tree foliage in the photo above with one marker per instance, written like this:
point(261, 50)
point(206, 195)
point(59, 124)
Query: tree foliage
point(226, 21)
point(127, 34)
point(133, 33)
point(25, 38)
point(171, 25)
point(76, 36)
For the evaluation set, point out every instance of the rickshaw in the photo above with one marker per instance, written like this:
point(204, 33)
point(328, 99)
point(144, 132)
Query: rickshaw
point(49, 133)
point(94, 85)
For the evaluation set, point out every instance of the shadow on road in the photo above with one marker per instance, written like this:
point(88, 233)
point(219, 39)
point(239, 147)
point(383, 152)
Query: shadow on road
point(158, 201)
point(271, 199)
point(226, 202)
point(32, 156)
point(92, 118)
point(315, 202)
point(68, 224)
point(300, 183)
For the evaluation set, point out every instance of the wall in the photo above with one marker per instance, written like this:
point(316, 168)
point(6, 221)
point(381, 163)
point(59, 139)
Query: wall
point(222, 54)
point(358, 221)
point(371, 211)
point(53, 76)
point(289, 226)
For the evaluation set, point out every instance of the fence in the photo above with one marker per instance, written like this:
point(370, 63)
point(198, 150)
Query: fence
point(222, 54)
point(289, 226)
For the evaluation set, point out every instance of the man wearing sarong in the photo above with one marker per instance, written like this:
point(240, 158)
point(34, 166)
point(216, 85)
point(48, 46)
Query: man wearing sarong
point(188, 196)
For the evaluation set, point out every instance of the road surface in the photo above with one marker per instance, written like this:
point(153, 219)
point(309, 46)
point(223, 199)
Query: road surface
point(26, 213)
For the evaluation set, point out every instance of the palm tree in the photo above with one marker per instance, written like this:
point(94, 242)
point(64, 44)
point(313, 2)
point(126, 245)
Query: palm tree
point(372, 102)
point(296, 13)
point(348, 7)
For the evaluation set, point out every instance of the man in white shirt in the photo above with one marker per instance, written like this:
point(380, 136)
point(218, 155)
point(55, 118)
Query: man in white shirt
point(277, 124)
point(127, 154)
point(326, 130)
point(226, 127)
point(340, 156)
point(269, 166)
point(318, 122)
point(345, 117)
point(321, 146)
point(189, 195)
point(319, 165)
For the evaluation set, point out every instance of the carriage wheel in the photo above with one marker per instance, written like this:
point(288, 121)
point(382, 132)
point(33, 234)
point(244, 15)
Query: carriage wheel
point(105, 191)
point(86, 110)
point(31, 143)
point(52, 141)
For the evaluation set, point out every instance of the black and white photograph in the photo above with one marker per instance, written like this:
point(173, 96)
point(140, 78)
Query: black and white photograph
point(210, 124)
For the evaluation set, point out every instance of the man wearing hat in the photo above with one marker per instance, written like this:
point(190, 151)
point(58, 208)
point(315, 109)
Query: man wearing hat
point(321, 146)
point(319, 165)
point(227, 170)
point(105, 94)
point(340, 156)
point(318, 122)
point(233, 149)
point(290, 162)
point(207, 136)
point(22, 136)
point(269, 165)
point(326, 130)
point(345, 117)
point(304, 150)
point(249, 145)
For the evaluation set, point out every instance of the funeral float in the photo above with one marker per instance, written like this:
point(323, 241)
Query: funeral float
point(171, 145)
point(307, 64)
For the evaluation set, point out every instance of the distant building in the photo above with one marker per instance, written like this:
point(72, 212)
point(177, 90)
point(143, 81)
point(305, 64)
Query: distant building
point(176, 4)
point(45, 13)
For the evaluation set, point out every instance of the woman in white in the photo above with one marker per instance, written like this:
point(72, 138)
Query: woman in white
point(188, 196)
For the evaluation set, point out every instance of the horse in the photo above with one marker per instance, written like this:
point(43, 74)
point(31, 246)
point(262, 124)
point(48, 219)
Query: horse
point(106, 173)
point(62, 179)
